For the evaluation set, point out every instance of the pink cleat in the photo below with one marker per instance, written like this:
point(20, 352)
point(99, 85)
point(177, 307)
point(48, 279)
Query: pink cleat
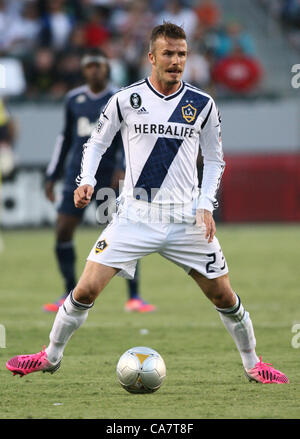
point(265, 374)
point(25, 364)
point(138, 305)
point(53, 307)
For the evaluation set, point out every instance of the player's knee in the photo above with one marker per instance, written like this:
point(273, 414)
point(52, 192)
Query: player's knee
point(87, 290)
point(86, 293)
point(222, 299)
point(220, 293)
point(63, 233)
point(65, 227)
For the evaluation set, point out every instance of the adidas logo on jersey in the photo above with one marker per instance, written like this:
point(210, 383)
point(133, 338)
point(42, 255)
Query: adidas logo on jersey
point(143, 111)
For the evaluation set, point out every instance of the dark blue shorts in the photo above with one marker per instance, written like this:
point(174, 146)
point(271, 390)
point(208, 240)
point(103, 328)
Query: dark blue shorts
point(67, 206)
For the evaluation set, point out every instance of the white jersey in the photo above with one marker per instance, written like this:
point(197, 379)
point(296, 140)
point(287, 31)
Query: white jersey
point(161, 137)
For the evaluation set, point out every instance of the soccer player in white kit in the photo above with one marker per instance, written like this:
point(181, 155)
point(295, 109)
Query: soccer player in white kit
point(162, 121)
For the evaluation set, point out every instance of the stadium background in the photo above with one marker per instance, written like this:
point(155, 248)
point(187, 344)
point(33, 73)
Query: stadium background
point(242, 52)
point(41, 52)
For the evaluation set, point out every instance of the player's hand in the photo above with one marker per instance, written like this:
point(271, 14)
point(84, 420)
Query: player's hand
point(83, 195)
point(49, 190)
point(204, 218)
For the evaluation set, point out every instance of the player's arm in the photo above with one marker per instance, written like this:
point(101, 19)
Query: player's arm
point(102, 136)
point(119, 171)
point(59, 154)
point(213, 168)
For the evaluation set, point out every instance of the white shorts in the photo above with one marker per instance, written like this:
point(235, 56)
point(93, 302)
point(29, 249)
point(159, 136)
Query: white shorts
point(124, 241)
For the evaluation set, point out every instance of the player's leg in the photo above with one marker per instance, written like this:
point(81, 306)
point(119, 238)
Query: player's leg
point(239, 325)
point(207, 266)
point(75, 309)
point(117, 250)
point(68, 219)
point(64, 249)
point(70, 316)
point(135, 302)
point(232, 313)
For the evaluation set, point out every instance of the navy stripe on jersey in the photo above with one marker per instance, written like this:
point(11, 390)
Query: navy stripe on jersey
point(156, 167)
point(119, 112)
point(192, 104)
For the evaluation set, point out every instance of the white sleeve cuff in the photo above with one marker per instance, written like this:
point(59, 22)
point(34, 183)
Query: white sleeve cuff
point(88, 180)
point(205, 203)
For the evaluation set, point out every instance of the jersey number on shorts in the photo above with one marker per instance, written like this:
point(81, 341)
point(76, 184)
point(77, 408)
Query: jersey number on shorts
point(213, 260)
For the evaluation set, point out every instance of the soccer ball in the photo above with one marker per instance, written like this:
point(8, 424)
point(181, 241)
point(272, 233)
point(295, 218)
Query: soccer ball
point(141, 370)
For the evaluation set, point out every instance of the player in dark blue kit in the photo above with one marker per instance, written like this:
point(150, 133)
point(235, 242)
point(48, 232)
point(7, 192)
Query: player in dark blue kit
point(83, 106)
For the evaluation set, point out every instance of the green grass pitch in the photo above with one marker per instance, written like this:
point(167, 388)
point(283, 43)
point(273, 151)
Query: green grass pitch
point(204, 374)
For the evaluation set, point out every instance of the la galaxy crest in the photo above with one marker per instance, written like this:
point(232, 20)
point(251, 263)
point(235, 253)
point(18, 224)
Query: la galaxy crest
point(101, 245)
point(189, 112)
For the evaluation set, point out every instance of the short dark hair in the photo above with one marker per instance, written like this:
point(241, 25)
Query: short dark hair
point(167, 30)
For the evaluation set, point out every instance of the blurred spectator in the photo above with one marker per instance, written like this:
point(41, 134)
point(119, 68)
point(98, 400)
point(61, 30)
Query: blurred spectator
point(208, 13)
point(68, 73)
point(4, 21)
point(197, 70)
point(287, 12)
point(12, 76)
point(41, 75)
point(57, 25)
point(232, 36)
point(118, 68)
point(48, 36)
point(176, 13)
point(132, 53)
point(23, 31)
point(77, 39)
point(95, 31)
point(273, 6)
point(119, 16)
point(135, 27)
point(138, 21)
point(14, 7)
point(157, 5)
point(237, 73)
point(290, 15)
point(291, 12)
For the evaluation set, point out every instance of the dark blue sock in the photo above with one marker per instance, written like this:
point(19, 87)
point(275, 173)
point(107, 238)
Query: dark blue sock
point(133, 285)
point(66, 257)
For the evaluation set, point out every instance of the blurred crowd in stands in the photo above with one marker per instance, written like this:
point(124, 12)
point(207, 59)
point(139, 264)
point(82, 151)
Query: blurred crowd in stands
point(48, 37)
point(288, 13)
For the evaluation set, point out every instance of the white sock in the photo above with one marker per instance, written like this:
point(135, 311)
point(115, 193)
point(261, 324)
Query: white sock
point(239, 325)
point(70, 316)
